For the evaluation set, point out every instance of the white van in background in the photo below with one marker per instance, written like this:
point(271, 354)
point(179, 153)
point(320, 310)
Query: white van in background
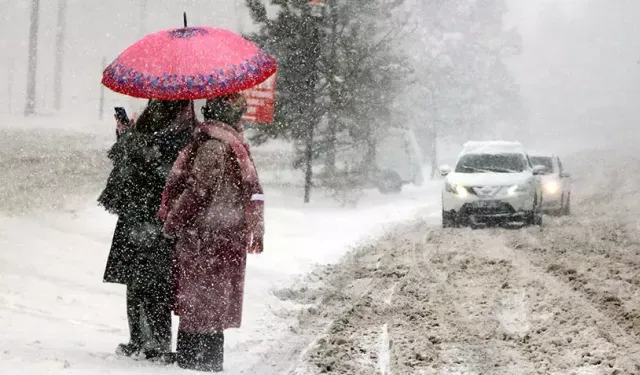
point(398, 160)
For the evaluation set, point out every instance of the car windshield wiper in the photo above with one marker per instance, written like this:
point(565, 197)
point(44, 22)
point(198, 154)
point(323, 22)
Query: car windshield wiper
point(475, 169)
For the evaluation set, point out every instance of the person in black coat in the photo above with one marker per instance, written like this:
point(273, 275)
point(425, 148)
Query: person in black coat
point(140, 255)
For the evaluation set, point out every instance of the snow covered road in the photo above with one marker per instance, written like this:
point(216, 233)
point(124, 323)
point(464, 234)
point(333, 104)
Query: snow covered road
point(558, 300)
point(57, 315)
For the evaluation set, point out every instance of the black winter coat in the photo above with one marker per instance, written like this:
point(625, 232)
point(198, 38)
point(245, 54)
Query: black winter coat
point(140, 253)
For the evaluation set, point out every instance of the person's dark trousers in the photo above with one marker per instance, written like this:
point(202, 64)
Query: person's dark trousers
point(134, 317)
point(200, 351)
point(157, 305)
point(150, 305)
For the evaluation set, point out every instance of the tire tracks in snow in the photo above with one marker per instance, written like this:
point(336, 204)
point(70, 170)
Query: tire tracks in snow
point(452, 327)
point(464, 302)
point(339, 299)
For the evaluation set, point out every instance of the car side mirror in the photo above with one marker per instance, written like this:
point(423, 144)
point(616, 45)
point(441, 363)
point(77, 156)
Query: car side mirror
point(445, 170)
point(539, 169)
point(565, 175)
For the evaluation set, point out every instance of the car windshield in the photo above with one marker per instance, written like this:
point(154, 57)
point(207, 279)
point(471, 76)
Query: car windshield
point(483, 163)
point(545, 161)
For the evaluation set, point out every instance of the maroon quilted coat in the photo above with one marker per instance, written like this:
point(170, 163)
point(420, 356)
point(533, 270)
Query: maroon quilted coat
point(213, 204)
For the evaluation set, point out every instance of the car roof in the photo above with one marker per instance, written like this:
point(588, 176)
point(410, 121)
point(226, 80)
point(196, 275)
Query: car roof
point(492, 147)
point(541, 154)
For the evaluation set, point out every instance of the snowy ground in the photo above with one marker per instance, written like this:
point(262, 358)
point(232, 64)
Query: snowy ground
point(57, 315)
point(559, 300)
point(419, 300)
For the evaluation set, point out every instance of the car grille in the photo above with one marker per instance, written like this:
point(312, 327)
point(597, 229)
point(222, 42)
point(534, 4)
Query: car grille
point(496, 208)
point(485, 191)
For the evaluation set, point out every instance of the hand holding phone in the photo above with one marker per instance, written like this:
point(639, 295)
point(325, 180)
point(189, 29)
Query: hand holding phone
point(121, 115)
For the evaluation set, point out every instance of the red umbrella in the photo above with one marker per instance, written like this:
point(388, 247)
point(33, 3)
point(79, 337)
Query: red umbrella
point(188, 63)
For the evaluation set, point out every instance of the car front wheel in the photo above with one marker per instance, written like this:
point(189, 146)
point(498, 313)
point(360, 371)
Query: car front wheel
point(566, 208)
point(389, 182)
point(448, 220)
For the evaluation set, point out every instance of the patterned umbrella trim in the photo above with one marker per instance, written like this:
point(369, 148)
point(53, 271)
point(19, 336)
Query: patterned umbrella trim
point(117, 75)
point(188, 32)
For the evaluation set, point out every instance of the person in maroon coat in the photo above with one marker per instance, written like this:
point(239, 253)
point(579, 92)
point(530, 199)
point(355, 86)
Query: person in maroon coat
point(213, 205)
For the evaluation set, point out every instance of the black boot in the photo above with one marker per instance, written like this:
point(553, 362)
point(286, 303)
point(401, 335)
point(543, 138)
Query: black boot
point(212, 352)
point(187, 350)
point(165, 357)
point(128, 350)
point(201, 352)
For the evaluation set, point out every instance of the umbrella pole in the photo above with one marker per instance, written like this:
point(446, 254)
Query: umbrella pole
point(184, 16)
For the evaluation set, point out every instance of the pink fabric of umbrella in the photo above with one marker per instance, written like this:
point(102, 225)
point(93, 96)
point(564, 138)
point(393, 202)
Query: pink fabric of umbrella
point(188, 63)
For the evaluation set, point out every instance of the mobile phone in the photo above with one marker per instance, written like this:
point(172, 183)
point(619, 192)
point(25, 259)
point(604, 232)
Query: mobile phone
point(122, 116)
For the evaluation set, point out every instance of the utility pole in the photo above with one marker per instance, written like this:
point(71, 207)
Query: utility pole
point(59, 57)
point(30, 106)
point(101, 100)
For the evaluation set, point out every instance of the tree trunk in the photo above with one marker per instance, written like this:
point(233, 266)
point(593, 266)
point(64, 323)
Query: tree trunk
point(433, 152)
point(330, 160)
point(30, 106)
point(308, 161)
point(59, 57)
point(311, 119)
point(370, 157)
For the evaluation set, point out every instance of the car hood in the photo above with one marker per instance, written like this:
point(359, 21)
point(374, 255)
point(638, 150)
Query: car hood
point(488, 179)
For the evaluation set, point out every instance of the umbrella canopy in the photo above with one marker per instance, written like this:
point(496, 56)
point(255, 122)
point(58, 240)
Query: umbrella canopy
point(188, 63)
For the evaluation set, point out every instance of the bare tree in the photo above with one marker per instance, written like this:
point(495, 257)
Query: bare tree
point(30, 106)
point(59, 57)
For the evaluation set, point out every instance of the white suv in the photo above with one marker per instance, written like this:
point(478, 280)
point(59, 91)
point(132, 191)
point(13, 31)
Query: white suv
point(492, 182)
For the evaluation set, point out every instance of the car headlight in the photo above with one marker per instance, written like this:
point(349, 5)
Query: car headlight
point(517, 189)
point(551, 187)
point(459, 190)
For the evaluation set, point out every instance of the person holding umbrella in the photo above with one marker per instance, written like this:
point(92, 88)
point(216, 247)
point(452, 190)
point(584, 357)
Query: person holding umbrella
point(212, 201)
point(213, 205)
point(141, 256)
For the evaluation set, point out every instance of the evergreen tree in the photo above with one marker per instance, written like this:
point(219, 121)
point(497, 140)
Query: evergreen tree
point(358, 72)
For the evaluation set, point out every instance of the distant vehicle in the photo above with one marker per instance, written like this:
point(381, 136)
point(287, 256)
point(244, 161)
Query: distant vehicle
point(556, 184)
point(398, 160)
point(493, 182)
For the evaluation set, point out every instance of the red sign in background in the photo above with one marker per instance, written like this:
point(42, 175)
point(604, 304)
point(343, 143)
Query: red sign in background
point(261, 102)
